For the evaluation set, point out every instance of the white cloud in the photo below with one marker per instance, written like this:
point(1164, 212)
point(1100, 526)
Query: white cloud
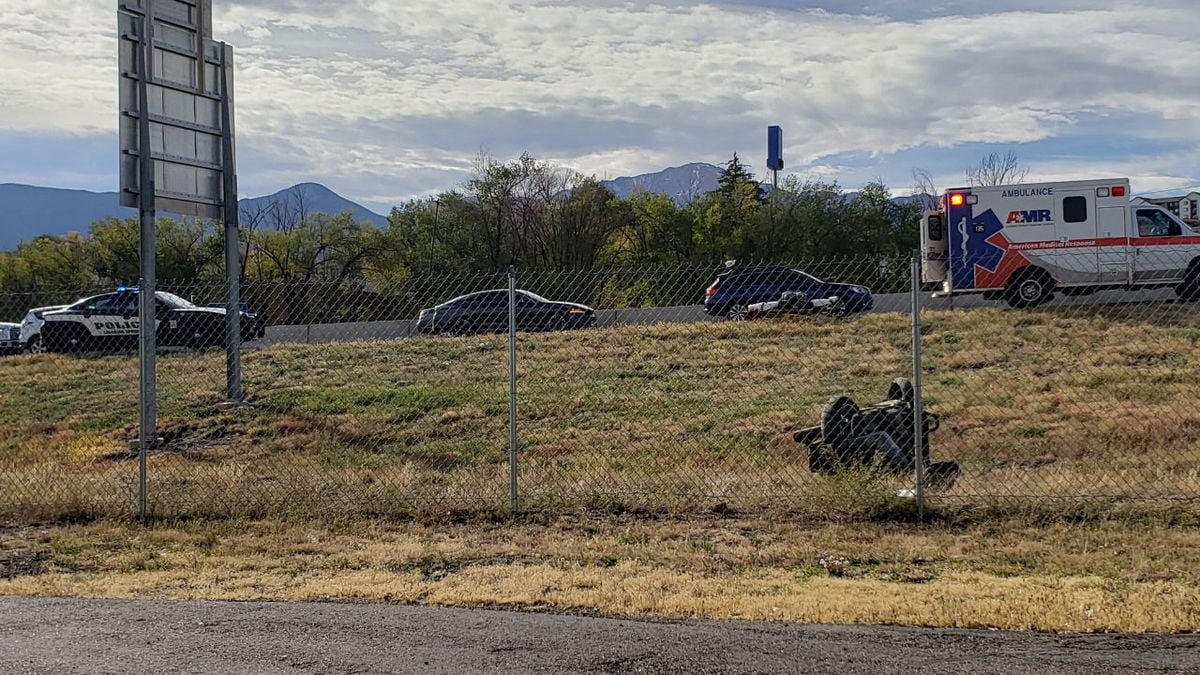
point(360, 89)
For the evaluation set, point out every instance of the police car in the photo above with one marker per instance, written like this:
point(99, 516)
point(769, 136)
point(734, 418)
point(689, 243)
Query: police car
point(10, 338)
point(109, 322)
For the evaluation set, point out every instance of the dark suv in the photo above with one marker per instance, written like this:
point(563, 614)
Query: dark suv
point(737, 288)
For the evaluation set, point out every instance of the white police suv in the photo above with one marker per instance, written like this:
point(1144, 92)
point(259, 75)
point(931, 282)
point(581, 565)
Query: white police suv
point(31, 328)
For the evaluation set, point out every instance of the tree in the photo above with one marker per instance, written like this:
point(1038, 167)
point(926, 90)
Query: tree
point(730, 215)
point(924, 189)
point(189, 251)
point(997, 169)
point(656, 232)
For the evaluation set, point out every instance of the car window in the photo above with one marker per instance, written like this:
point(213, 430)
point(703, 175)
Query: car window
point(1155, 223)
point(105, 304)
point(755, 277)
point(798, 278)
point(486, 300)
point(174, 301)
point(528, 299)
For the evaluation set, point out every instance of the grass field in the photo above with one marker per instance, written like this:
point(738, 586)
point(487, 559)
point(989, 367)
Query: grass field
point(1083, 411)
point(1022, 574)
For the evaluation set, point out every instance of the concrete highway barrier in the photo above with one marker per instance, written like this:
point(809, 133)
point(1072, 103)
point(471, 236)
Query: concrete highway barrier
point(645, 316)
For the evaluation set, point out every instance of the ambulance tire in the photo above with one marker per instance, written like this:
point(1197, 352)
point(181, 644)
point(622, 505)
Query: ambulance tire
point(1030, 287)
point(1190, 288)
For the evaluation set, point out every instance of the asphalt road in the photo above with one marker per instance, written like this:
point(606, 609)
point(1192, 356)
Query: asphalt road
point(101, 636)
point(884, 304)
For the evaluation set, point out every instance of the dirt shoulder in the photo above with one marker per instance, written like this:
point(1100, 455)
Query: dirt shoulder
point(1045, 576)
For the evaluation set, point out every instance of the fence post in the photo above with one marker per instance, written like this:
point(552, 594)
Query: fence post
point(512, 388)
point(918, 405)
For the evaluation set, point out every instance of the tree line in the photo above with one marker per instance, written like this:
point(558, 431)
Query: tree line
point(564, 230)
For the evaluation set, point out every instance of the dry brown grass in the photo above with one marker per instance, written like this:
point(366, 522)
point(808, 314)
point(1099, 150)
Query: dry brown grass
point(1025, 575)
point(1091, 409)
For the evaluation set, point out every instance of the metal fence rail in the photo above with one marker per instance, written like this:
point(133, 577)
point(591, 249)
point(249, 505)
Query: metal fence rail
point(617, 388)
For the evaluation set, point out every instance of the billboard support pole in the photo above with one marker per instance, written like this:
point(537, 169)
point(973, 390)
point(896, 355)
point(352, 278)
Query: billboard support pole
point(233, 248)
point(147, 324)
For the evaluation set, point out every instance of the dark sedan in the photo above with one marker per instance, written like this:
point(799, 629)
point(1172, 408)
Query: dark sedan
point(487, 312)
point(737, 289)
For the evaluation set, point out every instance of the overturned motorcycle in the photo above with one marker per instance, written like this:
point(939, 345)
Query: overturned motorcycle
point(796, 302)
point(882, 435)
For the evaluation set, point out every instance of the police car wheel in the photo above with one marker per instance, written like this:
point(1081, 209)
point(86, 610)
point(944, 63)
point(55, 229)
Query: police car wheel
point(35, 345)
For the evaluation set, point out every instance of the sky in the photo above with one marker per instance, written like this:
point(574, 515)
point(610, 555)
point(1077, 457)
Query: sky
point(389, 100)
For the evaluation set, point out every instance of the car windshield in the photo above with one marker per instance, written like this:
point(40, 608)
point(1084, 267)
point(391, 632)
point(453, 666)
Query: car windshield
point(809, 277)
point(173, 300)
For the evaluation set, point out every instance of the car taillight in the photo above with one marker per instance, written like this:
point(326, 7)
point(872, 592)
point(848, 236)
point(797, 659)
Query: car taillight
point(712, 290)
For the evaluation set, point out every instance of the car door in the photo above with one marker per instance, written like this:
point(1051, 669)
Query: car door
point(112, 320)
point(534, 314)
point(489, 311)
point(1113, 252)
point(1075, 256)
point(760, 286)
point(1157, 254)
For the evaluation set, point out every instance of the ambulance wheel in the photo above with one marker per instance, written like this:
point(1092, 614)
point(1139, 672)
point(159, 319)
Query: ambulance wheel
point(1190, 288)
point(1029, 288)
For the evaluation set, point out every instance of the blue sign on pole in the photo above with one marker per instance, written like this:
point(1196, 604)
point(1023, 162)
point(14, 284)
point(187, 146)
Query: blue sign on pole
point(775, 148)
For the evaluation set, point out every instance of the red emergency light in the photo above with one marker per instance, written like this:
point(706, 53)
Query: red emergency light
point(1118, 191)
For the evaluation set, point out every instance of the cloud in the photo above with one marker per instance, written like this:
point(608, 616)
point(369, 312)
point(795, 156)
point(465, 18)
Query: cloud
point(390, 99)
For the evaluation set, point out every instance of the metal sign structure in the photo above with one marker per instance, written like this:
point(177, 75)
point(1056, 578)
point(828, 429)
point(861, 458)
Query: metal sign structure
point(177, 155)
point(189, 83)
point(775, 148)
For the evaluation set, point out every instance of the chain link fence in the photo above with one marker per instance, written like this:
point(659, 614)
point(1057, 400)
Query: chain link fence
point(774, 387)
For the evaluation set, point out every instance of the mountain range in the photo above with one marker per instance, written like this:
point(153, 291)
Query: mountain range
point(27, 211)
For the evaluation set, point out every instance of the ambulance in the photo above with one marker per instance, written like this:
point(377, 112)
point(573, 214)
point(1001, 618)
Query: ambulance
point(1021, 243)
